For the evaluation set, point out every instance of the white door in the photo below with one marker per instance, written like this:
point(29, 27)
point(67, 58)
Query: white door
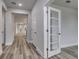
point(54, 31)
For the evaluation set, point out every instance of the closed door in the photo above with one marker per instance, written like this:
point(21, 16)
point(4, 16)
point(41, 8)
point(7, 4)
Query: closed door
point(54, 31)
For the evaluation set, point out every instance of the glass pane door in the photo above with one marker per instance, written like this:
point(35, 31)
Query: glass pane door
point(53, 26)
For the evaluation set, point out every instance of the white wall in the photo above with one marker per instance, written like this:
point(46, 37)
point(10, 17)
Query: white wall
point(38, 25)
point(9, 28)
point(29, 27)
point(69, 26)
point(20, 18)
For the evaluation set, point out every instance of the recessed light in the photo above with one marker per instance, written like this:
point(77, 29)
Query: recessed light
point(13, 3)
point(20, 4)
point(68, 1)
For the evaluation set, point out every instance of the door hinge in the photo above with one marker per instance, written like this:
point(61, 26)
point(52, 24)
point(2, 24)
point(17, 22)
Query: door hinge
point(47, 12)
point(47, 53)
point(47, 30)
point(47, 49)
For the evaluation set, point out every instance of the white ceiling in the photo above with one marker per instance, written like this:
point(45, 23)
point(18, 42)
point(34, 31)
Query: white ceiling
point(73, 4)
point(27, 4)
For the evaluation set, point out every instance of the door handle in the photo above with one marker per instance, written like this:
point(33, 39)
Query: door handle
point(59, 33)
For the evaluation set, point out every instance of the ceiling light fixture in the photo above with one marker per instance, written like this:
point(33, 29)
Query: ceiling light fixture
point(20, 4)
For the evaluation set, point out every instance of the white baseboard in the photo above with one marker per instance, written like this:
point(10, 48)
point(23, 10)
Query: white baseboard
point(39, 51)
point(69, 45)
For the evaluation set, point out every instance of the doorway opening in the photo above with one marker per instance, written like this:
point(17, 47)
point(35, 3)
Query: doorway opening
point(3, 27)
point(20, 24)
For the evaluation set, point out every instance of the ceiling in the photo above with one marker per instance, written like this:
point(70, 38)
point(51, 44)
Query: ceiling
point(26, 4)
point(72, 4)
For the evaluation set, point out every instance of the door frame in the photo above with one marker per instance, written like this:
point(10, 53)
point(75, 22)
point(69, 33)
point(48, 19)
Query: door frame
point(12, 11)
point(24, 13)
point(46, 30)
point(4, 9)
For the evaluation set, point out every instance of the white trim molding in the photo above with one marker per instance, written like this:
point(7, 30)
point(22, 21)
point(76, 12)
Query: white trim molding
point(39, 51)
point(69, 45)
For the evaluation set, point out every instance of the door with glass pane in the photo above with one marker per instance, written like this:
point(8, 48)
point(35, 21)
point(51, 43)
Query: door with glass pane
point(54, 31)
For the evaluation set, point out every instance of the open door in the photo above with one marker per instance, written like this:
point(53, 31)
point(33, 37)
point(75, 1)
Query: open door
point(54, 31)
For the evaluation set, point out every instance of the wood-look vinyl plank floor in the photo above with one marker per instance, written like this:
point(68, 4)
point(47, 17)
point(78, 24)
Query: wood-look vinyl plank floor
point(63, 55)
point(71, 52)
point(21, 49)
